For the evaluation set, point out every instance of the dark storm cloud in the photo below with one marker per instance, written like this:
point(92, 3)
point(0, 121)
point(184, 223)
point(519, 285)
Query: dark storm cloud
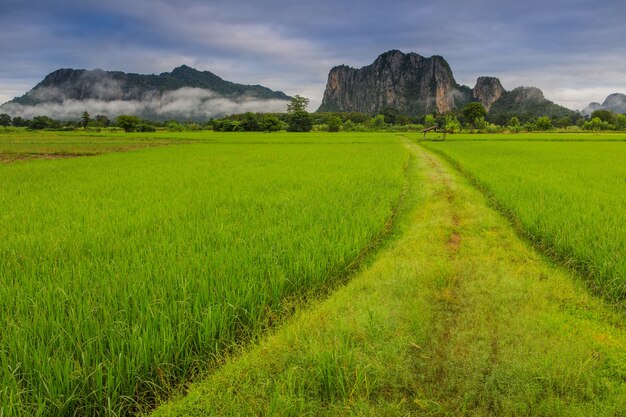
point(573, 50)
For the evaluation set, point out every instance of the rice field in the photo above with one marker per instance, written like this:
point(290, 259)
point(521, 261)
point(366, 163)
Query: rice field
point(27, 145)
point(124, 274)
point(569, 198)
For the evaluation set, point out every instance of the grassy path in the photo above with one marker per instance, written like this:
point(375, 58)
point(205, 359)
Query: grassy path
point(456, 317)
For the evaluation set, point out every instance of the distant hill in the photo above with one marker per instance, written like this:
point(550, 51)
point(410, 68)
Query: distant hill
point(196, 93)
point(526, 102)
point(614, 102)
point(416, 85)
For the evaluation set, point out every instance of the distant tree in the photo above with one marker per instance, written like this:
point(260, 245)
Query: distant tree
point(596, 124)
point(348, 126)
point(403, 120)
point(226, 125)
point(452, 124)
point(127, 122)
point(86, 119)
point(514, 122)
point(250, 122)
point(563, 122)
point(543, 123)
point(20, 122)
point(514, 125)
point(5, 120)
point(298, 103)
point(270, 123)
point(377, 122)
point(173, 126)
point(620, 122)
point(299, 119)
point(391, 115)
point(334, 124)
point(43, 122)
point(144, 127)
point(429, 120)
point(500, 119)
point(473, 111)
point(357, 117)
point(530, 126)
point(102, 121)
point(192, 126)
point(604, 115)
point(480, 123)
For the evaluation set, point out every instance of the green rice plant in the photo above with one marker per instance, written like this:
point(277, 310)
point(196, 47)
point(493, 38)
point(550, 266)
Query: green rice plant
point(123, 275)
point(567, 198)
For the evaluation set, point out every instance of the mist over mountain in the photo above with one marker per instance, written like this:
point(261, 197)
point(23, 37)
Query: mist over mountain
point(184, 93)
point(407, 82)
point(416, 85)
point(614, 102)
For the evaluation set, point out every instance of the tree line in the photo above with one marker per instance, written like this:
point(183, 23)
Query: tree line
point(471, 118)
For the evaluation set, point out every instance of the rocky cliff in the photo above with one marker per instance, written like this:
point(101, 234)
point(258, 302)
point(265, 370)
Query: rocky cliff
point(415, 85)
point(409, 83)
point(487, 91)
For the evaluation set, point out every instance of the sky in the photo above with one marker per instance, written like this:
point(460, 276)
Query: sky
point(573, 50)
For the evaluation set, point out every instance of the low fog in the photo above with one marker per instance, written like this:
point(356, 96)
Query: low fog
point(182, 104)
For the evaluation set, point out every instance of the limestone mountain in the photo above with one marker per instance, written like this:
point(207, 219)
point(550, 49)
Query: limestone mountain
point(614, 102)
point(416, 85)
point(487, 91)
point(409, 83)
point(183, 93)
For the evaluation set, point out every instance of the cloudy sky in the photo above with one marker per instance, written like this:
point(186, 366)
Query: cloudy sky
point(573, 50)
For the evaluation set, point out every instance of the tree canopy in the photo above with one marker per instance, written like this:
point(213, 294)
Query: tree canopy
point(473, 111)
point(299, 119)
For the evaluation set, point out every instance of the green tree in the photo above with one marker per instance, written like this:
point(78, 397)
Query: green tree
point(20, 122)
point(43, 122)
point(144, 127)
point(596, 124)
point(391, 115)
point(429, 120)
point(564, 121)
point(480, 123)
point(620, 122)
point(473, 111)
point(5, 120)
point(604, 115)
point(298, 103)
point(86, 119)
point(299, 119)
point(543, 123)
point(250, 122)
point(127, 122)
point(514, 125)
point(173, 126)
point(348, 126)
point(377, 122)
point(334, 124)
point(270, 123)
point(452, 124)
point(403, 120)
point(101, 121)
